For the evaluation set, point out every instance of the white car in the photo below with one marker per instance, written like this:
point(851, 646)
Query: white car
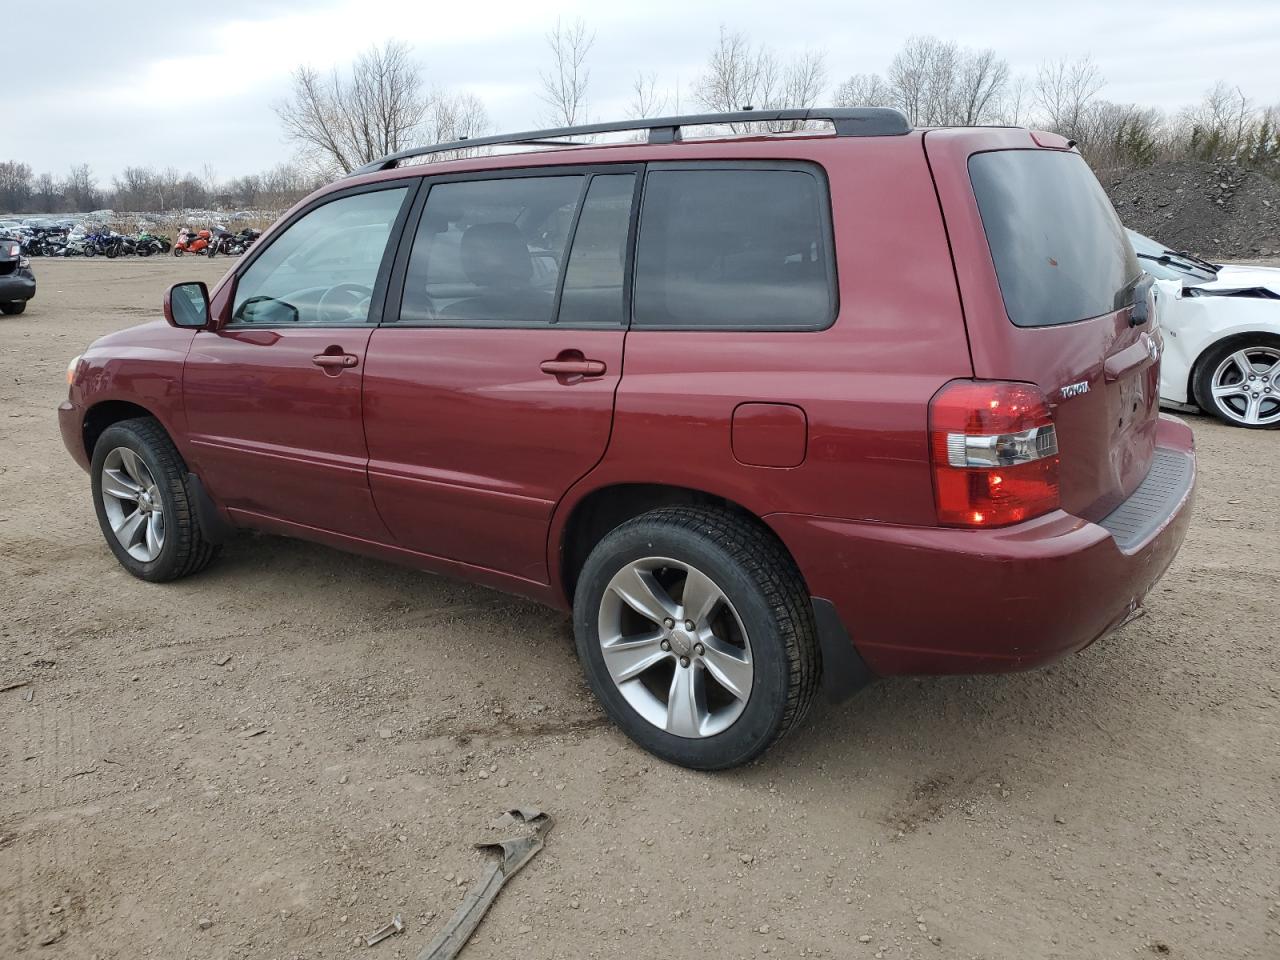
point(1222, 335)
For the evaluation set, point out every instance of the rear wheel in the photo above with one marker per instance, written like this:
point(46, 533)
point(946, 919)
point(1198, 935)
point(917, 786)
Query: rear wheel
point(13, 308)
point(696, 633)
point(144, 506)
point(1239, 381)
point(90, 250)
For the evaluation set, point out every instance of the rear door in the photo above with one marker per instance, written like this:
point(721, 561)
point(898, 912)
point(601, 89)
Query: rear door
point(1048, 280)
point(489, 387)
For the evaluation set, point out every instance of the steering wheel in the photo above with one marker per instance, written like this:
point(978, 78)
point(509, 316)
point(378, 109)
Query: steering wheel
point(357, 295)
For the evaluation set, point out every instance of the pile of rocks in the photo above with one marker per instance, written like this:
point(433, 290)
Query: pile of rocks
point(1219, 209)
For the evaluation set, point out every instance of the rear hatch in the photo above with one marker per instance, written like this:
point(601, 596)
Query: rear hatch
point(1048, 280)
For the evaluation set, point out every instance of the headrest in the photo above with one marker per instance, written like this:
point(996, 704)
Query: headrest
point(495, 255)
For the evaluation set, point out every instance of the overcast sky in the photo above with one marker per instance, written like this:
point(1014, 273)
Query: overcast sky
point(184, 84)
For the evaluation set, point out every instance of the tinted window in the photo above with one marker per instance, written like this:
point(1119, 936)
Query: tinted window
point(593, 281)
point(735, 248)
point(490, 250)
point(323, 268)
point(1059, 249)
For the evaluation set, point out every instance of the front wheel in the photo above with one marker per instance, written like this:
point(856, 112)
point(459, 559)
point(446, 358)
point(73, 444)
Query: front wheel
point(1239, 381)
point(145, 508)
point(90, 250)
point(177, 251)
point(696, 633)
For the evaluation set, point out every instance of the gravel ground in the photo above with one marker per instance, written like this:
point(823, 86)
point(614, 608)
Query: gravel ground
point(281, 753)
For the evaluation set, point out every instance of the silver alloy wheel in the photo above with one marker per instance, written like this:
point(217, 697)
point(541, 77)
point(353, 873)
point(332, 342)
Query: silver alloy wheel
point(1246, 386)
point(675, 647)
point(134, 508)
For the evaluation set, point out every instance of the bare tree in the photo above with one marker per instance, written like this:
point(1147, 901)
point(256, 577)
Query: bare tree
point(739, 75)
point(15, 186)
point(1063, 91)
point(935, 83)
point(454, 116)
point(646, 101)
point(564, 86)
point(1221, 122)
point(80, 189)
point(340, 123)
point(864, 90)
point(983, 77)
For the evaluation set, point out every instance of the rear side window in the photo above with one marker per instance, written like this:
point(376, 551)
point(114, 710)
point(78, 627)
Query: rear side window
point(734, 248)
point(489, 251)
point(1060, 251)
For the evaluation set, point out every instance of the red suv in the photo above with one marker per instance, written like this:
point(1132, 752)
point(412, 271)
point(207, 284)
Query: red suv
point(767, 412)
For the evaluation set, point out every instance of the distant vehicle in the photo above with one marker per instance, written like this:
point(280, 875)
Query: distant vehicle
point(887, 406)
point(10, 228)
point(1222, 353)
point(17, 282)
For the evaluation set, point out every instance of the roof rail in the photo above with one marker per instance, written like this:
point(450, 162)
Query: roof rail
point(848, 122)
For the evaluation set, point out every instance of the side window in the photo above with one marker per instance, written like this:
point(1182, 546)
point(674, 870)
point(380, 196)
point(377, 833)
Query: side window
point(323, 268)
point(593, 281)
point(490, 251)
point(734, 248)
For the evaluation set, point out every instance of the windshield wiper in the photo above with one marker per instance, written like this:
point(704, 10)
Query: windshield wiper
point(1168, 259)
point(1199, 261)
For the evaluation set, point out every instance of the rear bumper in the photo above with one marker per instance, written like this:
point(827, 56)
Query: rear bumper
point(933, 600)
point(20, 285)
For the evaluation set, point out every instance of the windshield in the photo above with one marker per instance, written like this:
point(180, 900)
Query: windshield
point(1160, 261)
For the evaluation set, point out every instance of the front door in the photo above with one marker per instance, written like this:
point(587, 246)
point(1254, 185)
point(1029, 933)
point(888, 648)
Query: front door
point(489, 388)
point(273, 395)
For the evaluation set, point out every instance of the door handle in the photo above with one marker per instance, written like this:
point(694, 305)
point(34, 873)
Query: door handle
point(1143, 353)
point(334, 360)
point(574, 368)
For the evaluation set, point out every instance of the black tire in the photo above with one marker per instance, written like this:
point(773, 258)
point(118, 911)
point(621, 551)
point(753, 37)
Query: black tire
point(177, 251)
point(758, 577)
point(211, 251)
point(90, 250)
point(1207, 366)
point(111, 250)
point(13, 308)
point(144, 250)
point(186, 549)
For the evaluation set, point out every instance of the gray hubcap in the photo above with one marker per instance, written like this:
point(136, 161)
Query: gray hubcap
point(134, 509)
point(1246, 386)
point(675, 647)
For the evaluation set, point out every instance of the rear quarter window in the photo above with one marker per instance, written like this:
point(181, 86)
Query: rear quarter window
point(1060, 252)
point(741, 247)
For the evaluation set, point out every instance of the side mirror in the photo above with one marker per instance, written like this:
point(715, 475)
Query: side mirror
point(186, 305)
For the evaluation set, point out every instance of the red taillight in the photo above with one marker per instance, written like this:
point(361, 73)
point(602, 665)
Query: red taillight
point(995, 453)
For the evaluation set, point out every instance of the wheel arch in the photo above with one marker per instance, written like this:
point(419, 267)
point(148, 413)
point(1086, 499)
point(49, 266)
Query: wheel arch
point(1226, 338)
point(106, 413)
point(580, 525)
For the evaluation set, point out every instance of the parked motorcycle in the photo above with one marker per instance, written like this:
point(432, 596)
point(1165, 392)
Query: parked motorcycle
point(145, 244)
point(96, 242)
point(197, 243)
point(117, 245)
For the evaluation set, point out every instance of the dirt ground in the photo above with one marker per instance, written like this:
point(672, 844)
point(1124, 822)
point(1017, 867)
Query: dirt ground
point(268, 759)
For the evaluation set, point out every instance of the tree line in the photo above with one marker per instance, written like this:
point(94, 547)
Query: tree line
point(148, 189)
point(383, 103)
